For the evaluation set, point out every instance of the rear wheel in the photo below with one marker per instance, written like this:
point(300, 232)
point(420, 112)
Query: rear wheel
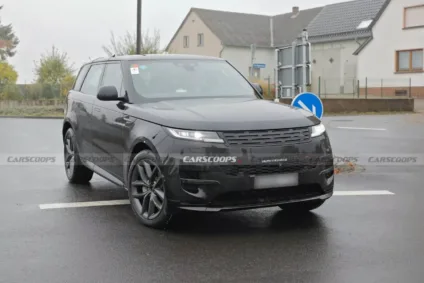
point(76, 172)
point(302, 206)
point(147, 190)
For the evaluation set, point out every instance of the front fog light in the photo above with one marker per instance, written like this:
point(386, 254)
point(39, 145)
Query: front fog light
point(211, 137)
point(317, 130)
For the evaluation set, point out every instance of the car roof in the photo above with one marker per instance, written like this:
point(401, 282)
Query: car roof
point(156, 57)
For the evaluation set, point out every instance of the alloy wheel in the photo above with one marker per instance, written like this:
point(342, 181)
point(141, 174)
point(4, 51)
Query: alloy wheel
point(147, 189)
point(69, 156)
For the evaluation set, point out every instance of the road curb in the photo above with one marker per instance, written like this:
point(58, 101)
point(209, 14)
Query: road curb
point(29, 117)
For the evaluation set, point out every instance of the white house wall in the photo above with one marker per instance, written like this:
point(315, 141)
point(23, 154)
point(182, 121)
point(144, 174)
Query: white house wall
point(339, 76)
point(240, 57)
point(377, 60)
point(191, 28)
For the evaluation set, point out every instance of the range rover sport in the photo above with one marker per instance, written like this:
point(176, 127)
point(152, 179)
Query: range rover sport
point(186, 132)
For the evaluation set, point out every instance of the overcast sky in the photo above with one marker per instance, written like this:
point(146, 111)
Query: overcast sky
point(81, 27)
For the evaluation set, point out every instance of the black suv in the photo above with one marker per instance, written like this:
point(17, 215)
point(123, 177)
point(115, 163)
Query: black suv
point(190, 132)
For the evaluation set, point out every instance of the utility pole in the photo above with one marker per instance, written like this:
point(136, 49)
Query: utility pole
point(139, 12)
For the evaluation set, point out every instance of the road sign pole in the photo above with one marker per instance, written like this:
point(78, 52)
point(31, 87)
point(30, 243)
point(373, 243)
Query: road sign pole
point(304, 43)
point(294, 44)
point(319, 86)
point(276, 83)
point(269, 84)
point(252, 54)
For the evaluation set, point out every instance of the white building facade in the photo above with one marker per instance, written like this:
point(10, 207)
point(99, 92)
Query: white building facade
point(392, 62)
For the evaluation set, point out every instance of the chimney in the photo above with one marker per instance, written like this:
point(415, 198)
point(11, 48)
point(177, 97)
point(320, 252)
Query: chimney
point(295, 10)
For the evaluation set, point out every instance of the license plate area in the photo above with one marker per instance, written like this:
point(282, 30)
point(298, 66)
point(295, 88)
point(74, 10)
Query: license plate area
point(270, 181)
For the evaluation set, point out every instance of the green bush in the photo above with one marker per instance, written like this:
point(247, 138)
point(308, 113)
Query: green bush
point(10, 92)
point(41, 91)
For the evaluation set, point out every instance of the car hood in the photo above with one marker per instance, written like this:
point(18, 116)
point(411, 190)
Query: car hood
point(222, 114)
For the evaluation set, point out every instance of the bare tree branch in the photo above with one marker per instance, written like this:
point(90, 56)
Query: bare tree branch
point(127, 44)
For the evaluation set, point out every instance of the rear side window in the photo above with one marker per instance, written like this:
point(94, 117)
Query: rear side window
point(92, 80)
point(113, 76)
point(80, 78)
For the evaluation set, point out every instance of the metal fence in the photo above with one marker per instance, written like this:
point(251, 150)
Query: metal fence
point(366, 88)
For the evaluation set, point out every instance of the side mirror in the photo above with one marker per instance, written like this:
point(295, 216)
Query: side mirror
point(109, 93)
point(258, 88)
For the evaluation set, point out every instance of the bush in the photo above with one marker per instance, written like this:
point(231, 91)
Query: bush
point(41, 91)
point(10, 92)
point(33, 91)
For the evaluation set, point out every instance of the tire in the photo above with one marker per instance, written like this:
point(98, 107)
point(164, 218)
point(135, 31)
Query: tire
point(146, 191)
point(76, 172)
point(302, 206)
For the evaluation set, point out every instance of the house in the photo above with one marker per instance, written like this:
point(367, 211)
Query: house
point(230, 35)
point(335, 34)
point(391, 62)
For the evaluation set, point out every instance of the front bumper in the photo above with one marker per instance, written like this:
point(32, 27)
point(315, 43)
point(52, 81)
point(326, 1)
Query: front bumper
point(216, 187)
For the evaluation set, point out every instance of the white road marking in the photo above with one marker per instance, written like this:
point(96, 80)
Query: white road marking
point(126, 202)
point(84, 204)
point(365, 129)
point(363, 193)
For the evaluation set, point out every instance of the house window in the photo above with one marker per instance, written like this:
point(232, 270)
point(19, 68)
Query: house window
point(413, 17)
point(200, 39)
point(186, 41)
point(364, 24)
point(409, 61)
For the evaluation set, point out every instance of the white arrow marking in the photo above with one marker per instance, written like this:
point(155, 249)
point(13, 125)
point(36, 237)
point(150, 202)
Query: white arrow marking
point(304, 107)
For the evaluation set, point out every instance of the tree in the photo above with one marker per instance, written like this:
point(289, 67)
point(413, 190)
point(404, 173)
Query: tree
point(127, 45)
point(67, 84)
point(8, 41)
point(8, 75)
point(53, 68)
point(8, 78)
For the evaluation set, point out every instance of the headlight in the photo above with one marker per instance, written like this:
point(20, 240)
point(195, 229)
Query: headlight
point(211, 137)
point(318, 130)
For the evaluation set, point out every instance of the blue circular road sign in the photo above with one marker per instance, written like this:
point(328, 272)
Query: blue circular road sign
point(309, 102)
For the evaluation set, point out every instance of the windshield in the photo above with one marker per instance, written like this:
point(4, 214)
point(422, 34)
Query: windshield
point(162, 79)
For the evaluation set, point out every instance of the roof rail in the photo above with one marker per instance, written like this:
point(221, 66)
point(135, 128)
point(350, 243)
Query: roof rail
point(99, 59)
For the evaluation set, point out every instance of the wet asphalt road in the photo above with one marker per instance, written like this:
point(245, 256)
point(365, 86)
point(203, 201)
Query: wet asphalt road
point(349, 239)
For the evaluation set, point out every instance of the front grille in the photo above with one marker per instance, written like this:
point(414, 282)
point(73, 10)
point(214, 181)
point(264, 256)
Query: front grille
point(268, 137)
point(236, 170)
point(267, 196)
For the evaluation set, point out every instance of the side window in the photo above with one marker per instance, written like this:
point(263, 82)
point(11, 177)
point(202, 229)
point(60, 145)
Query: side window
point(113, 76)
point(91, 82)
point(80, 78)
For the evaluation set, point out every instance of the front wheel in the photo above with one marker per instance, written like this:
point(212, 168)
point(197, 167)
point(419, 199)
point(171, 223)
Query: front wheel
point(302, 206)
point(147, 190)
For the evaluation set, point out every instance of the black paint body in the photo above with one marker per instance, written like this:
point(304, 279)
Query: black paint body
point(116, 130)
